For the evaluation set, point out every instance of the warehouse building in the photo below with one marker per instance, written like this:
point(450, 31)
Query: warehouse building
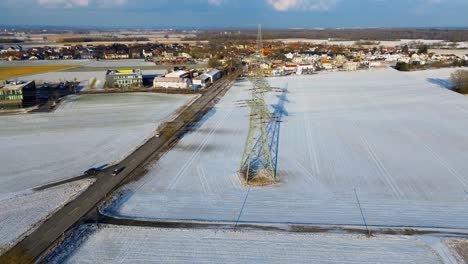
point(18, 95)
point(124, 79)
point(214, 75)
point(172, 83)
point(201, 81)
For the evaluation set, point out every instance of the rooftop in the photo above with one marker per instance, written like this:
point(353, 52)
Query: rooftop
point(125, 71)
point(14, 86)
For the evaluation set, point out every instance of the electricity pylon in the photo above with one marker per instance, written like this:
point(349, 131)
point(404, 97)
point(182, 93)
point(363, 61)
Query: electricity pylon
point(257, 159)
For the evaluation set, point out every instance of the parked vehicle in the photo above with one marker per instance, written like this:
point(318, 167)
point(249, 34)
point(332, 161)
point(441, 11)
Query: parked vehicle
point(117, 171)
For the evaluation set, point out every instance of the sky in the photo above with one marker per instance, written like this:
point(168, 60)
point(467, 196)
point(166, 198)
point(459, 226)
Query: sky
point(235, 13)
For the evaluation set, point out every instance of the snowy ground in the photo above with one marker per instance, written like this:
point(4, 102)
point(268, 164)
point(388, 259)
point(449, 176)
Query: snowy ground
point(87, 63)
point(141, 245)
point(459, 248)
point(85, 131)
point(83, 77)
point(21, 212)
point(395, 141)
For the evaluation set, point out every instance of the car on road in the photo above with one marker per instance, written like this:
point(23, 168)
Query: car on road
point(117, 171)
point(158, 135)
point(95, 170)
point(91, 171)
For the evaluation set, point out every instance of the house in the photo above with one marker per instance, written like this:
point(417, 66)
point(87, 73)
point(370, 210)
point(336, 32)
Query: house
point(289, 68)
point(147, 54)
point(172, 83)
point(110, 56)
point(304, 69)
point(124, 78)
point(87, 56)
point(121, 55)
point(350, 66)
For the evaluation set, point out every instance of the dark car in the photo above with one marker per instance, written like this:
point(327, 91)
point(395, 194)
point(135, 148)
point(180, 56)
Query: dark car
point(91, 171)
point(117, 171)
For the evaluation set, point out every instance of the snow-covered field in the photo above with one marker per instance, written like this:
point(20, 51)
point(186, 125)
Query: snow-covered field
point(85, 131)
point(87, 63)
point(395, 141)
point(20, 213)
point(83, 77)
point(143, 245)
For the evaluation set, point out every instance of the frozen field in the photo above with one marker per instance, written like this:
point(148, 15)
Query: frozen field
point(83, 77)
point(137, 245)
point(88, 63)
point(21, 212)
point(85, 131)
point(395, 141)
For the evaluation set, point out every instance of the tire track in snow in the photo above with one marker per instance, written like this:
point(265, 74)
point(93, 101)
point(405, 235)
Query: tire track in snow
point(383, 170)
point(396, 191)
point(431, 151)
point(195, 154)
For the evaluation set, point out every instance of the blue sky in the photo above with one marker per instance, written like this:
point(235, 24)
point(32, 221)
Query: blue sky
point(236, 13)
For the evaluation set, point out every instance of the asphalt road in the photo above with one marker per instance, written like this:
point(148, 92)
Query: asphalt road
point(33, 246)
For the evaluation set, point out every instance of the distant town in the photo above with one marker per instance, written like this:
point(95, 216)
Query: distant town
point(195, 65)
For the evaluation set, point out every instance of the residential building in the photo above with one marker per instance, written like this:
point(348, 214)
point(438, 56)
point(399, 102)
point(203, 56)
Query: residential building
point(17, 95)
point(124, 78)
point(147, 54)
point(350, 66)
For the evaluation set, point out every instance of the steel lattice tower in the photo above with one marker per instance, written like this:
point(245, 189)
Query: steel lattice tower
point(257, 159)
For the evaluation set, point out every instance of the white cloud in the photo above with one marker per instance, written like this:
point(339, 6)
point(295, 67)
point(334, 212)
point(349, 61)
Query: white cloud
point(215, 2)
point(308, 5)
point(80, 3)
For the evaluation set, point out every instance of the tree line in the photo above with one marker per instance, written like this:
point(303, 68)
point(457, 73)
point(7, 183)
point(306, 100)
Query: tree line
point(453, 35)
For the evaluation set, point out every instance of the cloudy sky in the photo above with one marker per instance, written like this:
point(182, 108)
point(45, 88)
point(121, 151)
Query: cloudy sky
point(236, 13)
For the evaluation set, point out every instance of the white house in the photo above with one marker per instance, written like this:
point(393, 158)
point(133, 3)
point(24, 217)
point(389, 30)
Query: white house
point(289, 55)
point(350, 66)
point(147, 54)
point(305, 68)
